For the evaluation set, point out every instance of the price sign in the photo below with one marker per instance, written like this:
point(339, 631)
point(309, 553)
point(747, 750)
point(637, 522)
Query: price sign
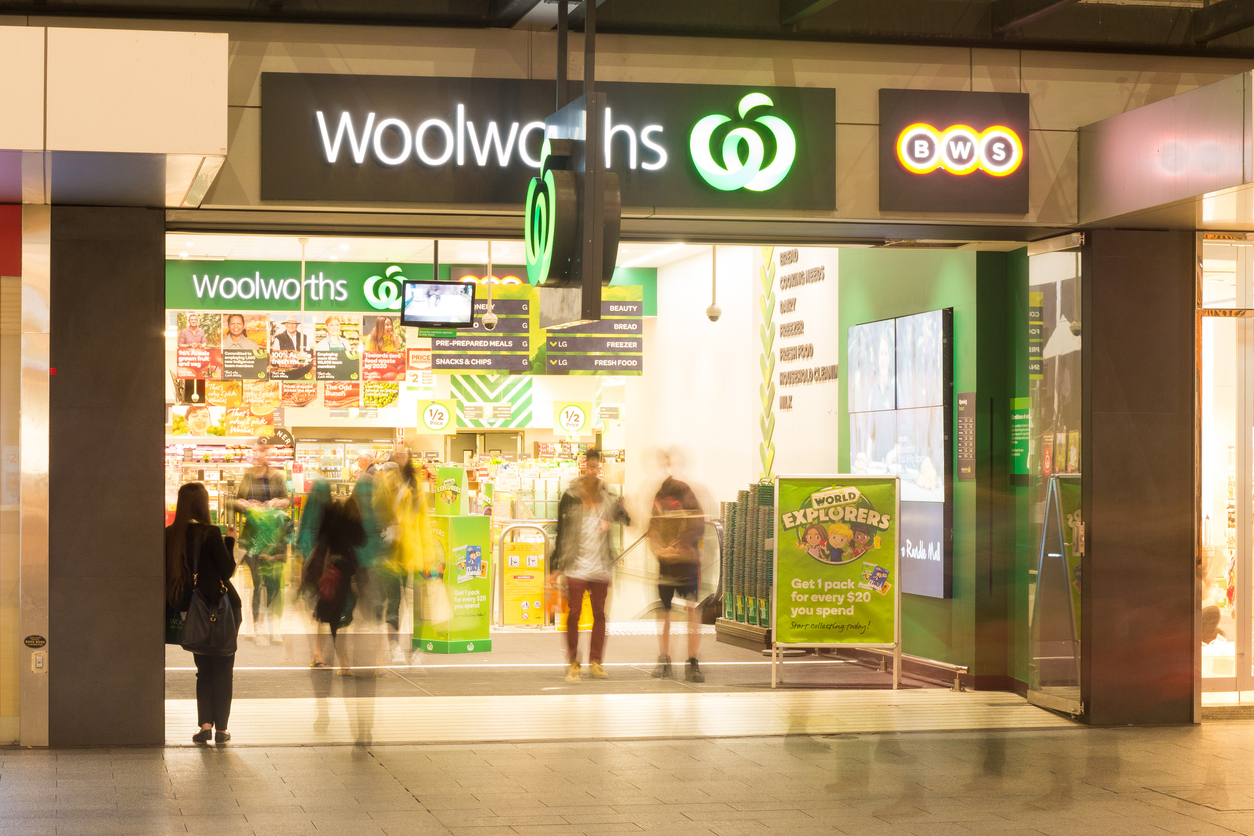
point(571, 419)
point(437, 417)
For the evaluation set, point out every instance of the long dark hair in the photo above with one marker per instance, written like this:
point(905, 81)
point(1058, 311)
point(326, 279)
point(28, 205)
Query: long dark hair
point(193, 506)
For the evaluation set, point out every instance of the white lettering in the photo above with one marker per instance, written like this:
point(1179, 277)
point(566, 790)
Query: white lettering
point(450, 142)
point(534, 162)
point(252, 287)
point(291, 288)
point(920, 148)
point(491, 137)
point(340, 293)
point(461, 134)
point(959, 149)
point(202, 284)
point(998, 152)
point(610, 130)
point(407, 142)
point(652, 146)
point(346, 126)
point(222, 288)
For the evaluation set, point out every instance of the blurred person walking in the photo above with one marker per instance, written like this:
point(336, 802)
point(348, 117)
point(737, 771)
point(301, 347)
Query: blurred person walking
point(676, 527)
point(333, 567)
point(262, 497)
point(312, 512)
point(198, 558)
point(583, 553)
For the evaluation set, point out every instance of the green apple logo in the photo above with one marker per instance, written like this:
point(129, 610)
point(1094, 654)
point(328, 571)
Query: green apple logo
point(748, 173)
point(384, 294)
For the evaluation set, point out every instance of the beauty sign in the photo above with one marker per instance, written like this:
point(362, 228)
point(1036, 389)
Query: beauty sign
point(437, 417)
point(572, 419)
point(836, 578)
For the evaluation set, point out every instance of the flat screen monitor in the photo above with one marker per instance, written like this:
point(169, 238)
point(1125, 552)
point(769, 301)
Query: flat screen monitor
point(872, 367)
point(921, 360)
point(438, 304)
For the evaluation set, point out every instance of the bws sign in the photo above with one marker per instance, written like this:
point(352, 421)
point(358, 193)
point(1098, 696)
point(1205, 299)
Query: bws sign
point(944, 151)
point(357, 139)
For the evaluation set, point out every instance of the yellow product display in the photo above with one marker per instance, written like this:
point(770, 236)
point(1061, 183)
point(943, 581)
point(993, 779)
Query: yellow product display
point(585, 615)
point(525, 573)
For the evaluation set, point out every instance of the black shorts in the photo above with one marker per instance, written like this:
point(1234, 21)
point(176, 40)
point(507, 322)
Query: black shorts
point(685, 579)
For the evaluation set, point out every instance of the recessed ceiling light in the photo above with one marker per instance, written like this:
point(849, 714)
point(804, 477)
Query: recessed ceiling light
point(191, 243)
point(182, 255)
point(335, 258)
point(343, 246)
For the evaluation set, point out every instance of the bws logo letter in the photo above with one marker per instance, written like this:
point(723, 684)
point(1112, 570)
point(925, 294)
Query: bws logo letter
point(959, 149)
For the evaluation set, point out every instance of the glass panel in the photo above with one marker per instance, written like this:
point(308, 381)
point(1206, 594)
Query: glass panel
point(1219, 274)
point(1054, 486)
point(1220, 495)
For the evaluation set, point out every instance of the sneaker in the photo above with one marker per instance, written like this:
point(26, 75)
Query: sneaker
point(663, 669)
point(572, 672)
point(693, 673)
point(596, 671)
point(398, 655)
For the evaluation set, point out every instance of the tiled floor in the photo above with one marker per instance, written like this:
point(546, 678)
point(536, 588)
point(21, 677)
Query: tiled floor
point(601, 716)
point(1063, 782)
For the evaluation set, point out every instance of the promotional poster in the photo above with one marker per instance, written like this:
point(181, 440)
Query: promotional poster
point(836, 560)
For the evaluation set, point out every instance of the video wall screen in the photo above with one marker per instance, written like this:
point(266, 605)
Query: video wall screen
point(900, 419)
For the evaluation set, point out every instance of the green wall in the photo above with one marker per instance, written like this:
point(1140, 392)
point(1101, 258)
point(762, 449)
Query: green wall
point(979, 627)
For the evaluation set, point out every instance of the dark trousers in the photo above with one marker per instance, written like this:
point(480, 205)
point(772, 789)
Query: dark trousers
point(214, 680)
point(597, 591)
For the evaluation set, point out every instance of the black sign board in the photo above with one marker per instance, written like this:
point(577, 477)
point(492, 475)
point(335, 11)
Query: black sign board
point(477, 141)
point(946, 151)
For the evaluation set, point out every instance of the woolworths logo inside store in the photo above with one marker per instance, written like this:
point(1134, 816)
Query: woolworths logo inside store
point(274, 285)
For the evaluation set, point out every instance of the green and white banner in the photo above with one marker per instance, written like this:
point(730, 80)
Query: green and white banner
point(836, 577)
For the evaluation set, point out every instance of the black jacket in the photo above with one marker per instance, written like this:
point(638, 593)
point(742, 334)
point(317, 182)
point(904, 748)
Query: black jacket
point(217, 565)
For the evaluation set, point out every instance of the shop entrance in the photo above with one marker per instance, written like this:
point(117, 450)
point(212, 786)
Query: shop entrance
point(1226, 394)
point(495, 452)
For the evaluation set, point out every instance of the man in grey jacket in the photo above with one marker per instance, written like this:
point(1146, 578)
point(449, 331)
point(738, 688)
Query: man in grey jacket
point(582, 552)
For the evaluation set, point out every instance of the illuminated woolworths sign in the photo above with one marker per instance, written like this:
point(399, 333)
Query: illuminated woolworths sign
point(363, 139)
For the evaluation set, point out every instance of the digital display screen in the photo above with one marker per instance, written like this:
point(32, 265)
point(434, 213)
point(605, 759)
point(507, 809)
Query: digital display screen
point(438, 304)
point(900, 411)
point(920, 454)
point(872, 367)
point(920, 360)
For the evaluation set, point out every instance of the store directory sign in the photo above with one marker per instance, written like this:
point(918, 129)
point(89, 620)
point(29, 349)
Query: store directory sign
point(948, 151)
point(475, 141)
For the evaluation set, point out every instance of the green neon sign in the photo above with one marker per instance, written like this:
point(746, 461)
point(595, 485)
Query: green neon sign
point(384, 294)
point(550, 215)
point(748, 173)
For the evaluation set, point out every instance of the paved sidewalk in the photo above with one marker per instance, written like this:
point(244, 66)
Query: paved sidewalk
point(1077, 781)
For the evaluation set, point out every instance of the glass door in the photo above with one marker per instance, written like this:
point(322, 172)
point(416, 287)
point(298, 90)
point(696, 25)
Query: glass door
point(1226, 466)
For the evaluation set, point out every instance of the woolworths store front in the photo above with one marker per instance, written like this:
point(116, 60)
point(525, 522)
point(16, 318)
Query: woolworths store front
point(897, 298)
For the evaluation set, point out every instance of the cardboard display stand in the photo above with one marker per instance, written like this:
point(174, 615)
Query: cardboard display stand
point(836, 578)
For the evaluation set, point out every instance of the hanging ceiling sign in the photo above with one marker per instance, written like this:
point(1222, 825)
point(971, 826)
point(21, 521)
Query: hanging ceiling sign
point(360, 139)
point(945, 151)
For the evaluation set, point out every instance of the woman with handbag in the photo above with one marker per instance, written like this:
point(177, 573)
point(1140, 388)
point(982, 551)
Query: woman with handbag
point(198, 569)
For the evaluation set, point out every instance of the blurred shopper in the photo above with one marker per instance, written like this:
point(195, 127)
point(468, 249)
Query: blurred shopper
point(316, 503)
point(676, 527)
point(196, 556)
point(332, 568)
point(391, 574)
point(582, 552)
point(262, 497)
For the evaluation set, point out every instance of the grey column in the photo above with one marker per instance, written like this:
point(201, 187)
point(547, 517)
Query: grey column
point(105, 505)
point(1137, 463)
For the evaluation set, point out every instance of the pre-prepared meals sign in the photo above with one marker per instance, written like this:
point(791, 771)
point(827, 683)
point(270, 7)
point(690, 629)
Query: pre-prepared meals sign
point(836, 560)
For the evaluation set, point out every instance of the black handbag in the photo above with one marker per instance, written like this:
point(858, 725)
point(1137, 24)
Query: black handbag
point(209, 631)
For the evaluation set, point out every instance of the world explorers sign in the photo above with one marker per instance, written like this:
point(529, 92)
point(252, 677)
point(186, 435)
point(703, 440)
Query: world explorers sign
point(352, 138)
